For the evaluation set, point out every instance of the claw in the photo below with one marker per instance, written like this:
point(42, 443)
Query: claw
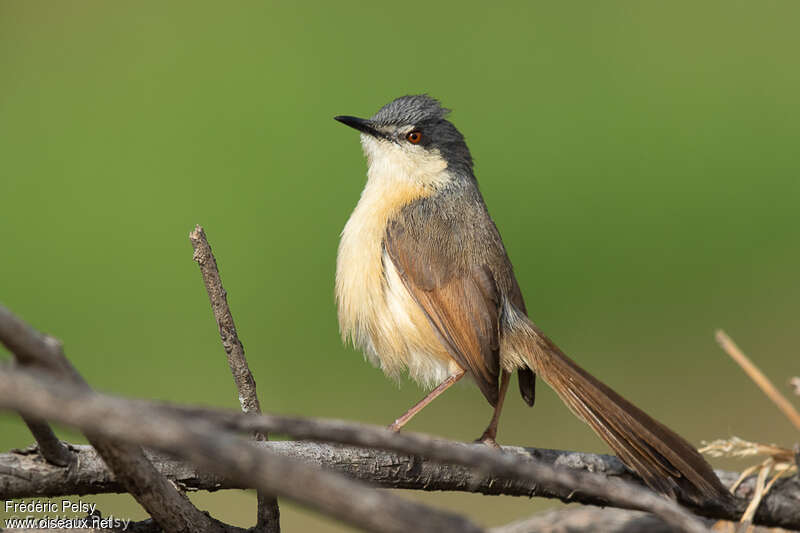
point(489, 441)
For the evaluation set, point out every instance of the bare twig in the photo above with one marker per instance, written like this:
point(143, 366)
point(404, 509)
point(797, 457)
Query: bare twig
point(759, 378)
point(596, 519)
point(23, 347)
point(590, 518)
point(206, 445)
point(268, 514)
point(53, 450)
point(24, 476)
point(172, 510)
point(227, 329)
point(613, 491)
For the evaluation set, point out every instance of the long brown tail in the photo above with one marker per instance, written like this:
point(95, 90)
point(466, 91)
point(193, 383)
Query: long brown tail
point(661, 457)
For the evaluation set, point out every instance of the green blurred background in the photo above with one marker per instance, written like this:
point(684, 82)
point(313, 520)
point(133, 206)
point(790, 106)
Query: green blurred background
point(640, 160)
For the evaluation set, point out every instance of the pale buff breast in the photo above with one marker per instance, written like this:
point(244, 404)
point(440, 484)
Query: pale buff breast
point(375, 309)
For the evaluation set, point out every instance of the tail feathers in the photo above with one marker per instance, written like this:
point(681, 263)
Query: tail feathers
point(663, 459)
point(527, 385)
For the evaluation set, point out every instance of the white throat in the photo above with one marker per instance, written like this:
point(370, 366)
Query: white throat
point(388, 161)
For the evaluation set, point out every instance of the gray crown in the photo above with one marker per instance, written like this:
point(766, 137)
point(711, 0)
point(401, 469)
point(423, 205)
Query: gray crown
point(410, 109)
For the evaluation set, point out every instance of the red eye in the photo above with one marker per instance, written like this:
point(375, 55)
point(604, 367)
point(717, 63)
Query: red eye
point(414, 137)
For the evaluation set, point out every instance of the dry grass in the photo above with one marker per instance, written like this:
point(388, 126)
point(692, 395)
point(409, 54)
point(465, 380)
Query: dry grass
point(759, 378)
point(795, 383)
point(778, 461)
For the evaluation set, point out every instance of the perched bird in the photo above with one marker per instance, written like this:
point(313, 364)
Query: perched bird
point(424, 285)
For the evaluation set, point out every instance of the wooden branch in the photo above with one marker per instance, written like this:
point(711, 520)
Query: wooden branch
point(268, 514)
point(227, 329)
point(614, 491)
point(521, 471)
point(53, 450)
point(202, 436)
point(145, 526)
point(209, 447)
point(23, 347)
point(172, 510)
point(24, 475)
point(590, 518)
point(593, 519)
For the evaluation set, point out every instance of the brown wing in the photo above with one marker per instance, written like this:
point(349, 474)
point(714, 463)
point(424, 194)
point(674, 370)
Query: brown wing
point(461, 302)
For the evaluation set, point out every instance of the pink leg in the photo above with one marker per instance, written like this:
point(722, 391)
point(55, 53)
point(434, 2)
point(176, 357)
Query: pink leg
point(403, 420)
point(490, 434)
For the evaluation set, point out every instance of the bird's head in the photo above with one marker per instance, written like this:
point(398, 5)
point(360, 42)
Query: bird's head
point(410, 135)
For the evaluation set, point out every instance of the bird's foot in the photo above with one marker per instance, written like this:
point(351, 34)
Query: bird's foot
point(394, 427)
point(489, 440)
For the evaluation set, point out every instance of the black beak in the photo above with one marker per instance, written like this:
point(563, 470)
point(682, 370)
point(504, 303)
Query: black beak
point(360, 124)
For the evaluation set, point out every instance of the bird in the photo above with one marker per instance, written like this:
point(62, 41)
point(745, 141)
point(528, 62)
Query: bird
point(424, 286)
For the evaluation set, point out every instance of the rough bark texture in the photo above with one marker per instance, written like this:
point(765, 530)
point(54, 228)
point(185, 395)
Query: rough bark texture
point(171, 509)
point(50, 398)
point(209, 447)
point(268, 513)
point(25, 474)
point(234, 349)
point(216, 457)
point(52, 449)
point(588, 519)
point(612, 491)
